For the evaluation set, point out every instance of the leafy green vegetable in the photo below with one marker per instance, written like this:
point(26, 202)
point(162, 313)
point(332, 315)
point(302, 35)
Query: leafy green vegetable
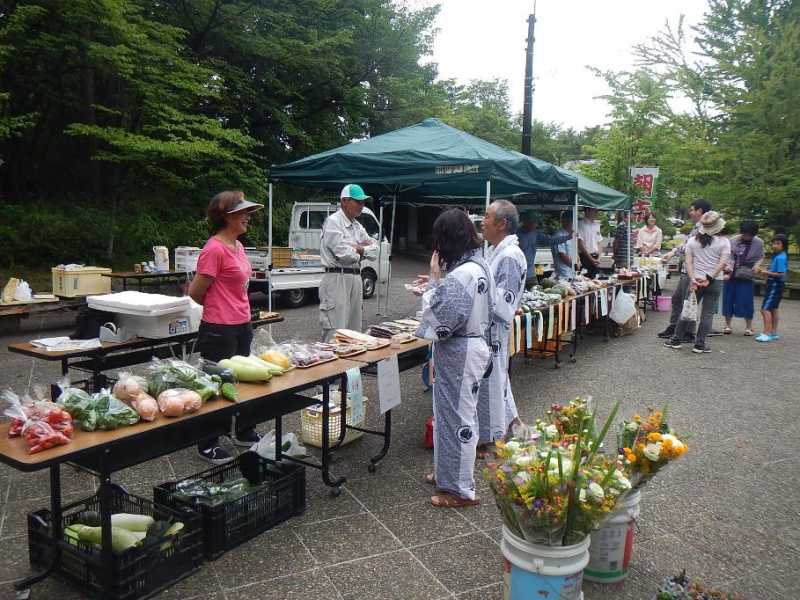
point(172, 373)
point(113, 413)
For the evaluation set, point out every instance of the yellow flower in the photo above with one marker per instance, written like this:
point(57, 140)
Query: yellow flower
point(654, 437)
point(627, 450)
point(640, 447)
point(631, 458)
point(637, 418)
point(667, 443)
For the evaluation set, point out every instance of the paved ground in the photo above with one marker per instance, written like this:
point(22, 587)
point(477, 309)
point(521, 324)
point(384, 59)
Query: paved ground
point(727, 511)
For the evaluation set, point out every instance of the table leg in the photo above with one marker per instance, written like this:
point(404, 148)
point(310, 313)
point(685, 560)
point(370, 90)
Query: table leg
point(55, 515)
point(278, 437)
point(326, 450)
point(106, 555)
point(342, 412)
point(387, 441)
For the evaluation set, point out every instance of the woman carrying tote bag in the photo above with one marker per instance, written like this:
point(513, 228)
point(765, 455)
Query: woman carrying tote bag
point(747, 251)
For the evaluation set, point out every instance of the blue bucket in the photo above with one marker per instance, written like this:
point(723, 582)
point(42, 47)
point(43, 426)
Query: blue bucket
point(536, 571)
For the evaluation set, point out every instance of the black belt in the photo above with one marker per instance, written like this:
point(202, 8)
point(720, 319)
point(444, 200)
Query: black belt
point(342, 270)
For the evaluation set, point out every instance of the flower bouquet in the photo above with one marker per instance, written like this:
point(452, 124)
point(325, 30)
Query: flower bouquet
point(577, 416)
point(648, 445)
point(554, 492)
point(680, 588)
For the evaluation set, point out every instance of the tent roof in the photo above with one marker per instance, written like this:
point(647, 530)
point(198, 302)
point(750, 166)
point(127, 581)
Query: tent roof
point(430, 158)
point(433, 162)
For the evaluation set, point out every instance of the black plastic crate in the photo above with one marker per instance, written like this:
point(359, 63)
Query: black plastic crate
point(228, 524)
point(136, 573)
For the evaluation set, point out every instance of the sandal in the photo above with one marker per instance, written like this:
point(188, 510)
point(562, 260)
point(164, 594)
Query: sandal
point(748, 332)
point(727, 331)
point(430, 478)
point(448, 500)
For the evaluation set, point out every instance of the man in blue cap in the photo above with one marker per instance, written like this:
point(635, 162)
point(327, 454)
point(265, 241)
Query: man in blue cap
point(344, 244)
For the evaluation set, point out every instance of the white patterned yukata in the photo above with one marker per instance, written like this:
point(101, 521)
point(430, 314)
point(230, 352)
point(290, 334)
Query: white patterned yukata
point(496, 406)
point(457, 316)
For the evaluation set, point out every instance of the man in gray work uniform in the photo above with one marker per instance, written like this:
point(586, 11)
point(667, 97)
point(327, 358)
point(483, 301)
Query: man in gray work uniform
point(344, 243)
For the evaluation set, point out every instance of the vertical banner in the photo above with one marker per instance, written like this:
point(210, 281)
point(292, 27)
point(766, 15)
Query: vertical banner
point(644, 184)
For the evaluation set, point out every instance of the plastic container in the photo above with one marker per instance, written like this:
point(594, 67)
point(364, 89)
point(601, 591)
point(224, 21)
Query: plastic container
point(82, 281)
point(186, 259)
point(226, 525)
point(161, 258)
point(664, 303)
point(311, 422)
point(612, 545)
point(138, 572)
point(534, 571)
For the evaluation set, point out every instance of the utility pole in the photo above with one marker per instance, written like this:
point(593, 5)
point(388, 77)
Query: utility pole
point(527, 111)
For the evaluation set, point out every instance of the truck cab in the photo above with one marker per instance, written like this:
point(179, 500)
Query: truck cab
point(305, 234)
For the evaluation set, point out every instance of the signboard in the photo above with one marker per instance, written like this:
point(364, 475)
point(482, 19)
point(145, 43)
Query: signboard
point(644, 184)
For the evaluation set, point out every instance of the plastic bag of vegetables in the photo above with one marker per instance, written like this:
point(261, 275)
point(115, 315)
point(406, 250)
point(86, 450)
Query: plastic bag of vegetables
point(178, 401)
point(173, 373)
point(132, 389)
point(41, 424)
point(113, 413)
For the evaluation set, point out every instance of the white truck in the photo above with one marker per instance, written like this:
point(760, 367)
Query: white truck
point(296, 283)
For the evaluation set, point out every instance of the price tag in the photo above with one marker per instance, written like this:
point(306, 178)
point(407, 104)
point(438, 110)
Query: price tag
point(604, 303)
point(388, 383)
point(355, 395)
point(550, 319)
point(574, 317)
point(529, 331)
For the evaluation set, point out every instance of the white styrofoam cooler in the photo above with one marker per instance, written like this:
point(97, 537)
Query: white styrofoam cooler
point(151, 316)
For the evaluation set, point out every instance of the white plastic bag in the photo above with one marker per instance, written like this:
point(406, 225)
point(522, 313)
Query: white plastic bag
point(624, 308)
point(23, 292)
point(290, 446)
point(689, 312)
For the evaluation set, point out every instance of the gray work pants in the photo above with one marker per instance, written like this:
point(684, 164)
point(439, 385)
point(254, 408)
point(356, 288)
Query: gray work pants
point(340, 303)
point(678, 296)
point(707, 299)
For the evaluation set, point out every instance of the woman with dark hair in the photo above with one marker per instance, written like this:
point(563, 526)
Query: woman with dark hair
point(457, 314)
point(747, 252)
point(707, 255)
point(220, 285)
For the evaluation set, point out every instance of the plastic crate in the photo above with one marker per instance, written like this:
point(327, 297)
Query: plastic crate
point(84, 281)
point(136, 573)
point(186, 259)
point(311, 422)
point(226, 525)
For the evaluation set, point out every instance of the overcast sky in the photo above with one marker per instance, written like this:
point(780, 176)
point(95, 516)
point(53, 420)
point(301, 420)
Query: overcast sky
point(484, 39)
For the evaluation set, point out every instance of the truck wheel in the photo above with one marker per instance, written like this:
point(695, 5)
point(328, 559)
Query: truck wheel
point(296, 298)
point(369, 279)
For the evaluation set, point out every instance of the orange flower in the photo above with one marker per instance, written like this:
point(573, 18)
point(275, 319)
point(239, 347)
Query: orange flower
point(654, 437)
point(631, 458)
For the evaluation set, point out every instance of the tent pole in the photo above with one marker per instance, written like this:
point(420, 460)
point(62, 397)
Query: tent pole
point(380, 254)
point(391, 248)
point(575, 238)
point(629, 240)
point(269, 246)
point(486, 210)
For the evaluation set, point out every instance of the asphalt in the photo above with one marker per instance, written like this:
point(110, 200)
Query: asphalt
point(727, 511)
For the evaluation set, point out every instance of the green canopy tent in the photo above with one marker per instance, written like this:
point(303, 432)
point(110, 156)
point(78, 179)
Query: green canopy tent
point(433, 163)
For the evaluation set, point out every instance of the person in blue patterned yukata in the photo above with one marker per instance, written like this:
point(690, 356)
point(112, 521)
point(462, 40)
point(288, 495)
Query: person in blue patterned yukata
point(457, 315)
point(497, 411)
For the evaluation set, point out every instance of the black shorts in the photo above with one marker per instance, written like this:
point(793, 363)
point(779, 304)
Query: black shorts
point(215, 341)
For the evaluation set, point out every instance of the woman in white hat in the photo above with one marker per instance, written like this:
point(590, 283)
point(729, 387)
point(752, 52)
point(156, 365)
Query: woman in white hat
point(707, 255)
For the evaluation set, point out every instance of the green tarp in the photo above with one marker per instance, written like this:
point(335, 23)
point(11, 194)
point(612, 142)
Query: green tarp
point(592, 193)
point(433, 162)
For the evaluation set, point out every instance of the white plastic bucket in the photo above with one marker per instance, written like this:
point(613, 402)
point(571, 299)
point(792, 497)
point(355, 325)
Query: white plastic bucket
point(161, 258)
point(612, 545)
point(534, 571)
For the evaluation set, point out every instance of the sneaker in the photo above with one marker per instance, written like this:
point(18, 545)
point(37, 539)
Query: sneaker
point(667, 333)
point(714, 333)
point(698, 349)
point(774, 336)
point(675, 344)
point(246, 438)
point(763, 337)
point(215, 455)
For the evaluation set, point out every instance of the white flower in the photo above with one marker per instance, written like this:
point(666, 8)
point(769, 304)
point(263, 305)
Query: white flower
point(632, 426)
point(513, 446)
point(676, 443)
point(582, 495)
point(622, 483)
point(652, 451)
point(596, 492)
point(551, 432)
point(523, 460)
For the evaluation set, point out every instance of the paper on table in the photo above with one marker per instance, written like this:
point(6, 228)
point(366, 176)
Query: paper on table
point(388, 383)
point(574, 318)
point(604, 302)
point(62, 344)
point(529, 331)
point(355, 395)
point(550, 318)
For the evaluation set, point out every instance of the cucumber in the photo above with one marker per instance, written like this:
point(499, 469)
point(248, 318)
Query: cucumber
point(225, 375)
point(229, 392)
